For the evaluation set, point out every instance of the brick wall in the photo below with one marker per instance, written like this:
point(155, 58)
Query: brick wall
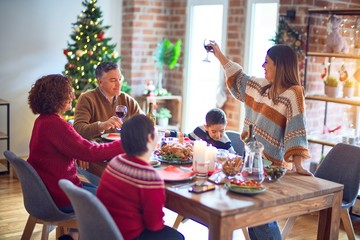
point(146, 22)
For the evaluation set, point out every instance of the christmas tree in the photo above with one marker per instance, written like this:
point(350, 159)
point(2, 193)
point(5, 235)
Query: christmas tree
point(88, 49)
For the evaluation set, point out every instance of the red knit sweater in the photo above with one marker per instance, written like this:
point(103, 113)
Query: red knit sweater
point(133, 192)
point(54, 147)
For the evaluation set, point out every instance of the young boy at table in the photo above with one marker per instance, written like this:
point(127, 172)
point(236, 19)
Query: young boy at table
point(212, 132)
point(132, 190)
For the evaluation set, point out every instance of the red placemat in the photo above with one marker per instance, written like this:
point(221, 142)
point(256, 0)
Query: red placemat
point(173, 173)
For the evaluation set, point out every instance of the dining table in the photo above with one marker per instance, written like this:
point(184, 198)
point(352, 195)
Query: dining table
point(224, 211)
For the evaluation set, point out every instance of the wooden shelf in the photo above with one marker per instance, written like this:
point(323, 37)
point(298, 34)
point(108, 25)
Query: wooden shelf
point(340, 11)
point(322, 142)
point(351, 101)
point(172, 102)
point(337, 55)
point(5, 136)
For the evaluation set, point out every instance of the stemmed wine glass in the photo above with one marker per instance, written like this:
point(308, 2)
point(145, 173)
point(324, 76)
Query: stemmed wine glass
point(208, 48)
point(121, 112)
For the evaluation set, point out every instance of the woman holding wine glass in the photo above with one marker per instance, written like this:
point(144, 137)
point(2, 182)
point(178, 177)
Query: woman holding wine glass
point(275, 106)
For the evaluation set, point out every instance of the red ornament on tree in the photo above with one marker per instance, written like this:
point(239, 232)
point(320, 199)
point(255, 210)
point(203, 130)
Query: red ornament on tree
point(90, 53)
point(101, 36)
point(66, 52)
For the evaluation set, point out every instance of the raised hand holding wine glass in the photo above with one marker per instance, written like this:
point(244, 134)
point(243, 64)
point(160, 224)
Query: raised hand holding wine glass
point(121, 112)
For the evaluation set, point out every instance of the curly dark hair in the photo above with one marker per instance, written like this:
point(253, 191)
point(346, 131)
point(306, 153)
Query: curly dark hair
point(103, 68)
point(50, 94)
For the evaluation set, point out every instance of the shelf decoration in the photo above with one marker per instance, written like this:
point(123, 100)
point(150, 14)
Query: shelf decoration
point(167, 55)
point(349, 87)
point(343, 74)
point(331, 87)
point(149, 89)
point(335, 42)
point(289, 36)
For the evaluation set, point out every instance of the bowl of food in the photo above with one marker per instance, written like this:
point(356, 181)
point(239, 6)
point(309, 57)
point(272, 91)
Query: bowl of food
point(274, 173)
point(232, 166)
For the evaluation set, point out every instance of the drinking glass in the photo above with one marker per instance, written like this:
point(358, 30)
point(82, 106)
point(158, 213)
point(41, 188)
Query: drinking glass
point(221, 156)
point(121, 112)
point(208, 48)
point(202, 170)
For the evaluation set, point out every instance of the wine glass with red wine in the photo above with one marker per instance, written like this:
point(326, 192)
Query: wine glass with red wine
point(208, 49)
point(121, 112)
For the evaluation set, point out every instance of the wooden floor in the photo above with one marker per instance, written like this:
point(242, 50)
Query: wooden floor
point(13, 217)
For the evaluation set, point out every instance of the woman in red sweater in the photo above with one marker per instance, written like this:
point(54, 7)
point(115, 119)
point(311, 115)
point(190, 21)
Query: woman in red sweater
point(132, 190)
point(54, 144)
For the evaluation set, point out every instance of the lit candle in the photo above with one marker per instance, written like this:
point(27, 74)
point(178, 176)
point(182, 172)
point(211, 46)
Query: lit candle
point(199, 152)
point(210, 157)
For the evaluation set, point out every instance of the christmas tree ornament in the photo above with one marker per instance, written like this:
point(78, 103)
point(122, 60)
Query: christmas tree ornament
point(101, 36)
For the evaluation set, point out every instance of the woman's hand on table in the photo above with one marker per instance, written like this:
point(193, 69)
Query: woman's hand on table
point(299, 168)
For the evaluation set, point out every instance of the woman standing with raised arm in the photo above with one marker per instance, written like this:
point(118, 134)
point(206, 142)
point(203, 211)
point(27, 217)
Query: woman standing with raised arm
point(275, 106)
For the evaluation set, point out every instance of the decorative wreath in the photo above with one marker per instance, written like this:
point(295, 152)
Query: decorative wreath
point(289, 36)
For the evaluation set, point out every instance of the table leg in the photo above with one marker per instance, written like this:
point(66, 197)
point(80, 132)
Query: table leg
point(219, 230)
point(329, 219)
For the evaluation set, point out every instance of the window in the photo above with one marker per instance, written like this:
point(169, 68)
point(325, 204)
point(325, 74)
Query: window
point(262, 18)
point(206, 19)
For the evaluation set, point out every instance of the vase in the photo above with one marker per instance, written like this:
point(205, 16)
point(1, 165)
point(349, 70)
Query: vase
point(159, 80)
point(163, 122)
point(348, 92)
point(332, 91)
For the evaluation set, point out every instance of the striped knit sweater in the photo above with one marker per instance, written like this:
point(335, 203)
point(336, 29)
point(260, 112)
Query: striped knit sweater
point(279, 127)
point(134, 194)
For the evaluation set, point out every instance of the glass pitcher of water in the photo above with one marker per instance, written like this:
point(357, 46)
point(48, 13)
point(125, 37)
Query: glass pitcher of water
point(253, 167)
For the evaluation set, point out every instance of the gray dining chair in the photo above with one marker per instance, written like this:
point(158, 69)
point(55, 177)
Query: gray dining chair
point(94, 219)
point(340, 165)
point(236, 141)
point(38, 202)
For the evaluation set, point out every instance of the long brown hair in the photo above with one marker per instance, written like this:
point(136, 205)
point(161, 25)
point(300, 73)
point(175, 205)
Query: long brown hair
point(287, 69)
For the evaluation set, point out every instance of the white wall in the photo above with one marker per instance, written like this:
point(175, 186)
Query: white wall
point(33, 34)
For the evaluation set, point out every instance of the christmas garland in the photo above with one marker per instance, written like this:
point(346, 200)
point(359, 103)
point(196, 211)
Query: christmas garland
point(289, 36)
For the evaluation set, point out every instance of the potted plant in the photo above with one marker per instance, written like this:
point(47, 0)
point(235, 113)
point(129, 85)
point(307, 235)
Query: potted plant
point(349, 88)
point(163, 115)
point(331, 87)
point(167, 55)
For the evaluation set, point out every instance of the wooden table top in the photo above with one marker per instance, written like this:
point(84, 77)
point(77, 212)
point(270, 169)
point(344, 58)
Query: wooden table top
point(224, 211)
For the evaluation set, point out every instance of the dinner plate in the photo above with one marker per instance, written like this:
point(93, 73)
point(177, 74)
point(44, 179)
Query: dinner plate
point(173, 160)
point(245, 191)
point(111, 136)
point(175, 174)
